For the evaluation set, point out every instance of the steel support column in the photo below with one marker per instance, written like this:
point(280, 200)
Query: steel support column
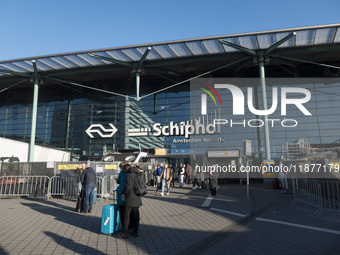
point(265, 106)
point(137, 85)
point(260, 57)
point(34, 113)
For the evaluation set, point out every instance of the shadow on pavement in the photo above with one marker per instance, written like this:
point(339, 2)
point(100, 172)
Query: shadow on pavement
point(84, 221)
point(71, 245)
point(52, 203)
point(2, 252)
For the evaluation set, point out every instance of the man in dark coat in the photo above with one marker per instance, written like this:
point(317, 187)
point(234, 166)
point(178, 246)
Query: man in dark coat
point(132, 204)
point(88, 180)
point(213, 183)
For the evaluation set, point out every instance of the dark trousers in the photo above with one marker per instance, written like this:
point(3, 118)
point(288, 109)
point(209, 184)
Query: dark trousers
point(121, 213)
point(89, 190)
point(213, 192)
point(188, 179)
point(131, 214)
point(196, 181)
point(172, 184)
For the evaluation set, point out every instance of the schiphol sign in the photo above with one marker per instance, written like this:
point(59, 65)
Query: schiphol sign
point(174, 129)
point(238, 100)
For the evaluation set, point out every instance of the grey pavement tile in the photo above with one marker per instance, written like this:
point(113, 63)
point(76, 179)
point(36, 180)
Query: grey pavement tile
point(177, 222)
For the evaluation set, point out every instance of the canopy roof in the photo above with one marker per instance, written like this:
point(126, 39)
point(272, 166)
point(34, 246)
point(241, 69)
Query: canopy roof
point(312, 52)
point(307, 37)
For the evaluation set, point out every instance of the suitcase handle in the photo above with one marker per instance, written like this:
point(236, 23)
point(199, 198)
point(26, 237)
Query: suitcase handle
point(115, 192)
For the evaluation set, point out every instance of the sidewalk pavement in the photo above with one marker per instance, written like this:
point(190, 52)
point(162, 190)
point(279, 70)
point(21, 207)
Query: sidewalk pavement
point(269, 223)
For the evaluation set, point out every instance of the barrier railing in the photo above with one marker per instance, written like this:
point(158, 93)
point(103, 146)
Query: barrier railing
point(330, 192)
point(108, 185)
point(307, 191)
point(63, 186)
point(44, 186)
point(24, 185)
point(323, 194)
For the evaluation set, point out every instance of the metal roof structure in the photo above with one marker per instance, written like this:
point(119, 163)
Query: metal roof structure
point(163, 64)
point(160, 52)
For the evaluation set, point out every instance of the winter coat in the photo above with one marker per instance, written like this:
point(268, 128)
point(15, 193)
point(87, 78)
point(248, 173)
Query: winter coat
point(88, 176)
point(122, 183)
point(131, 199)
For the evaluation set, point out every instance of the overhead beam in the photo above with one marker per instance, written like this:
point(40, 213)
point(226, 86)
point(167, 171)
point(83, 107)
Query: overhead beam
point(15, 73)
point(277, 44)
point(238, 47)
point(119, 62)
point(141, 61)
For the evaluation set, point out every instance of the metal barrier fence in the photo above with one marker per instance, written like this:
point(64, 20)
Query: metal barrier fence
point(24, 185)
point(323, 194)
point(44, 186)
point(307, 191)
point(63, 186)
point(330, 195)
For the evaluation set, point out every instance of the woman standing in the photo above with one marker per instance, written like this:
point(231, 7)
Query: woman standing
point(121, 180)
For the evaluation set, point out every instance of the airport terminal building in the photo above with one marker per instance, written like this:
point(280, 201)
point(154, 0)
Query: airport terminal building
point(142, 97)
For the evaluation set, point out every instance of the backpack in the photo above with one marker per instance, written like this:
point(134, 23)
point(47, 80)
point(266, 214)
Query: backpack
point(140, 188)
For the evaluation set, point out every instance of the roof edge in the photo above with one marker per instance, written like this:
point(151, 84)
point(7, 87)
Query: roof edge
point(171, 42)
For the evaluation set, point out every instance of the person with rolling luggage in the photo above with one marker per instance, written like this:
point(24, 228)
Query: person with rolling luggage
point(78, 172)
point(81, 189)
point(80, 201)
point(132, 204)
point(121, 180)
point(88, 180)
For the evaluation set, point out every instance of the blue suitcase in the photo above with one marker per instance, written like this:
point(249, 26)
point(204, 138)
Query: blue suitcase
point(110, 219)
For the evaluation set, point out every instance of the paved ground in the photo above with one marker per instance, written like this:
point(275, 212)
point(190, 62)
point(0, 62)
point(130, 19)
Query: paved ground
point(269, 223)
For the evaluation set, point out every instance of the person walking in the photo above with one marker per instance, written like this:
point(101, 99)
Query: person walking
point(154, 174)
point(132, 204)
point(173, 171)
point(188, 174)
point(213, 182)
point(158, 172)
point(88, 180)
point(196, 177)
point(181, 172)
point(283, 177)
point(165, 177)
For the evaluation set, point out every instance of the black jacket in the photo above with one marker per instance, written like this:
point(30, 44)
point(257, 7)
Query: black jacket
point(88, 176)
point(131, 199)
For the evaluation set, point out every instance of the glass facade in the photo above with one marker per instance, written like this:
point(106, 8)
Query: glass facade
point(62, 124)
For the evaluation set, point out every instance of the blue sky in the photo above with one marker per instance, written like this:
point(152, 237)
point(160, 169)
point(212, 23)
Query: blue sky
point(42, 27)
